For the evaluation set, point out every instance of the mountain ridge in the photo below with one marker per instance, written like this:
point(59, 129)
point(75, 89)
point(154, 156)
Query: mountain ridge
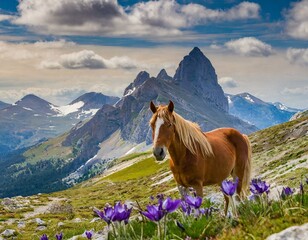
point(257, 112)
point(32, 119)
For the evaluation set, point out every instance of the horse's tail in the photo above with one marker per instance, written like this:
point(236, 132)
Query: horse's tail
point(247, 168)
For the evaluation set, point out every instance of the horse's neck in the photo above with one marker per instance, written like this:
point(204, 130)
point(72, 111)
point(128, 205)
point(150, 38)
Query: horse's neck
point(177, 150)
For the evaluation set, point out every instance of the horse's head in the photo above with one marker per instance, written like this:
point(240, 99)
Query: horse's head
point(163, 131)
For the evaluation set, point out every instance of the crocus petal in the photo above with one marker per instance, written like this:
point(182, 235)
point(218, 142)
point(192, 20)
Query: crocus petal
point(171, 205)
point(148, 215)
point(194, 201)
point(229, 187)
point(44, 237)
point(59, 236)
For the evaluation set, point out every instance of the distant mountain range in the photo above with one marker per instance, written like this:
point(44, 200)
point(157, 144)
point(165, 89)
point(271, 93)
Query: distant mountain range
point(257, 112)
point(4, 105)
point(113, 127)
point(32, 119)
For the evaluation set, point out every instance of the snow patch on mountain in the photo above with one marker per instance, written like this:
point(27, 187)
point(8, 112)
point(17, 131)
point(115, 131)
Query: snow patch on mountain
point(67, 109)
point(248, 98)
point(130, 91)
point(89, 113)
point(229, 100)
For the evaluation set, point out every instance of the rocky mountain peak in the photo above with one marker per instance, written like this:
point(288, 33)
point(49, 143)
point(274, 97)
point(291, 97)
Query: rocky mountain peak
point(30, 97)
point(197, 73)
point(163, 75)
point(34, 102)
point(95, 100)
point(139, 80)
point(196, 52)
point(195, 68)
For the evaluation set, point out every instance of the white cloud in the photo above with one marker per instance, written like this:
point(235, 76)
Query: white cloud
point(295, 91)
point(88, 59)
point(249, 46)
point(298, 56)
point(4, 17)
point(8, 50)
point(108, 18)
point(227, 82)
point(297, 20)
point(62, 43)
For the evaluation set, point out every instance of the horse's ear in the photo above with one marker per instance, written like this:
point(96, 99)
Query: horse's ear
point(153, 107)
point(170, 106)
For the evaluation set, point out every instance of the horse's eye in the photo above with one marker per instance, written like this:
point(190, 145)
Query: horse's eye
point(169, 125)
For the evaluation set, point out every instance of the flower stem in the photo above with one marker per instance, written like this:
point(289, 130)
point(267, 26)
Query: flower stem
point(233, 207)
point(114, 230)
point(165, 226)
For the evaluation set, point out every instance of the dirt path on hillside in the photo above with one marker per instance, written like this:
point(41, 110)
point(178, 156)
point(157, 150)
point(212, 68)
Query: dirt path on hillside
point(42, 209)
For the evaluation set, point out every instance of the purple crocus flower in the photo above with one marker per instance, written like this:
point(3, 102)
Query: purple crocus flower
point(121, 212)
point(186, 208)
point(257, 186)
point(287, 191)
point(107, 215)
point(154, 212)
point(88, 234)
point(206, 211)
point(194, 201)
point(44, 237)
point(170, 205)
point(59, 236)
point(229, 187)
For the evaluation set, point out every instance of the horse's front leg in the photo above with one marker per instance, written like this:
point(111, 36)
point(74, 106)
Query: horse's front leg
point(183, 191)
point(227, 204)
point(199, 190)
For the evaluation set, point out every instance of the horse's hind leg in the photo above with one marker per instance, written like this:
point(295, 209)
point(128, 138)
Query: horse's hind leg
point(238, 174)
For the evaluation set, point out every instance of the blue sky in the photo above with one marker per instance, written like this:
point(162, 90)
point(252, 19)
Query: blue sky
point(256, 46)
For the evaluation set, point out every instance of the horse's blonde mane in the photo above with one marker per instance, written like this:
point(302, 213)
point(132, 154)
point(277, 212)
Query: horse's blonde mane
point(189, 132)
point(192, 136)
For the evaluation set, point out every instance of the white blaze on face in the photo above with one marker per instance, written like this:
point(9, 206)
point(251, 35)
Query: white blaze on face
point(159, 122)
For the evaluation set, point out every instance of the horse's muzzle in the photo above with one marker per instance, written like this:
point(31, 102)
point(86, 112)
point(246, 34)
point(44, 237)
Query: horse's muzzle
point(159, 153)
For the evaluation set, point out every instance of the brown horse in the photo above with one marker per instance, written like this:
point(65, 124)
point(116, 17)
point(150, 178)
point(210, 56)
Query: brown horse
point(199, 159)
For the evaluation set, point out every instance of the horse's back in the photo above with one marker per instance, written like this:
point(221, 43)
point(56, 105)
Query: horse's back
point(226, 135)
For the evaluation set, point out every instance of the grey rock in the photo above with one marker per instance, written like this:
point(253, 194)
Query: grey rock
point(40, 222)
point(97, 219)
point(8, 233)
point(60, 224)
point(291, 233)
point(41, 228)
point(77, 220)
point(21, 224)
